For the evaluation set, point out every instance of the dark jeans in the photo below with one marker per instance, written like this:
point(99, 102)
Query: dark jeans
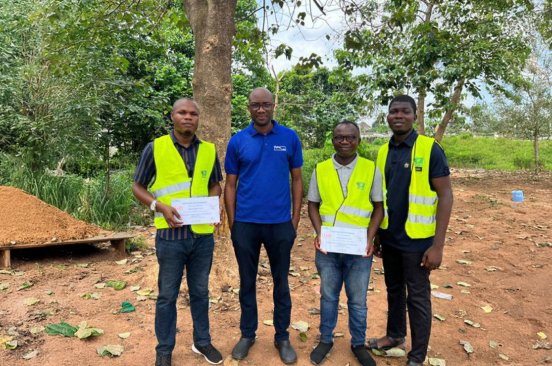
point(278, 241)
point(408, 286)
point(196, 255)
point(336, 269)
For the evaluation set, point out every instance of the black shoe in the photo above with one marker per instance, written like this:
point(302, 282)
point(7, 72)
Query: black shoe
point(163, 360)
point(318, 355)
point(287, 353)
point(363, 356)
point(241, 349)
point(211, 354)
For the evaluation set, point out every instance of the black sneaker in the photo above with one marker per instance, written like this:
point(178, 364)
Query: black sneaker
point(209, 352)
point(318, 355)
point(163, 360)
point(363, 356)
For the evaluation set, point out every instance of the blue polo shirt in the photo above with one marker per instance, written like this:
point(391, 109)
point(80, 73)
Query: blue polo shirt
point(397, 181)
point(263, 164)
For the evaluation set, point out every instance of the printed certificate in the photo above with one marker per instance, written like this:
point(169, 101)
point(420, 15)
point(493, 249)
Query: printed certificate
point(198, 210)
point(344, 240)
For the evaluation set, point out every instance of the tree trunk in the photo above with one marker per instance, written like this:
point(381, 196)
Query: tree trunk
point(536, 151)
point(454, 101)
point(420, 119)
point(213, 25)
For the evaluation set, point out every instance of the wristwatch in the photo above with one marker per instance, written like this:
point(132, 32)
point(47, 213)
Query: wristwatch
point(153, 205)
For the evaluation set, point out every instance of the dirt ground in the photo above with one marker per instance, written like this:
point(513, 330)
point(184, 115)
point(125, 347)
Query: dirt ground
point(498, 254)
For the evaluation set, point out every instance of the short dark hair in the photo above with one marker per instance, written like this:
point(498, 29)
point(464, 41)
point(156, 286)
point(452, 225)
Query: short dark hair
point(404, 98)
point(347, 122)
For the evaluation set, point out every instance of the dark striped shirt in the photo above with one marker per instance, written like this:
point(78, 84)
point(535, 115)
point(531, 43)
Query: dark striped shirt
point(145, 175)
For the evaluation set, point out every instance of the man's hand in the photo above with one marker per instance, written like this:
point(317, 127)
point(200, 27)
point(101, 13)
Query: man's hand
point(369, 248)
point(295, 222)
point(432, 258)
point(316, 243)
point(170, 214)
point(377, 246)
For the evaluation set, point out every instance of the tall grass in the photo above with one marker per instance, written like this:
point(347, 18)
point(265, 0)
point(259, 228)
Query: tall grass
point(87, 199)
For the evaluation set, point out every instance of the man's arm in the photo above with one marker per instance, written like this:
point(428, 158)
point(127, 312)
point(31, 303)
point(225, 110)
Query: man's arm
point(230, 198)
point(297, 195)
point(316, 220)
point(170, 213)
point(375, 221)
point(434, 255)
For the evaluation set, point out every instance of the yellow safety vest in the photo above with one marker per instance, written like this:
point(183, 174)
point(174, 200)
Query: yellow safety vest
point(422, 200)
point(172, 180)
point(354, 210)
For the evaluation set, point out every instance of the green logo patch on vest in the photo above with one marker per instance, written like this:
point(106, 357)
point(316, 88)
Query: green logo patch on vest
point(360, 186)
point(204, 174)
point(418, 163)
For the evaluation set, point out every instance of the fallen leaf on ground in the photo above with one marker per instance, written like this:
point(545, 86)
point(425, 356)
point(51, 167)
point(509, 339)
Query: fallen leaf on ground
point(493, 344)
point(339, 334)
point(116, 284)
point(268, 322)
point(25, 286)
point(85, 331)
point(472, 323)
point(301, 326)
point(127, 307)
point(11, 344)
point(134, 288)
point(30, 355)
point(99, 285)
point(4, 286)
point(434, 287)
point(436, 361)
point(93, 296)
point(463, 261)
point(124, 335)
point(503, 356)
point(467, 346)
point(122, 261)
point(303, 336)
point(64, 329)
point(111, 350)
point(36, 330)
point(30, 301)
point(487, 308)
point(314, 311)
point(463, 284)
point(439, 317)
point(144, 292)
point(543, 344)
point(542, 335)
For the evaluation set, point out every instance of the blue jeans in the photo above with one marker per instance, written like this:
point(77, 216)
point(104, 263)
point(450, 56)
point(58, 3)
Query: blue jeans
point(196, 255)
point(278, 241)
point(335, 270)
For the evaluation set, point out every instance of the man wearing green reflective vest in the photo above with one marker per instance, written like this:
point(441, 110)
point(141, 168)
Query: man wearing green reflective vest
point(417, 205)
point(176, 166)
point(345, 192)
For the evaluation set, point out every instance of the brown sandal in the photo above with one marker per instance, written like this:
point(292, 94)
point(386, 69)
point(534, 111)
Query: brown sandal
point(393, 343)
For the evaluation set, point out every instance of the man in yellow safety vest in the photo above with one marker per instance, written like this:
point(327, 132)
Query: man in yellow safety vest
point(417, 205)
point(179, 165)
point(345, 191)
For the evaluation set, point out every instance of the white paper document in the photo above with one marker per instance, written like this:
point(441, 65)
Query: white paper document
point(344, 240)
point(197, 210)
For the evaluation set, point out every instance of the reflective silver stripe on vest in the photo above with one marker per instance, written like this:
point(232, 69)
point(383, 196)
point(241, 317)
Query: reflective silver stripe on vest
point(327, 218)
point(419, 219)
point(356, 211)
point(171, 189)
point(346, 224)
point(429, 201)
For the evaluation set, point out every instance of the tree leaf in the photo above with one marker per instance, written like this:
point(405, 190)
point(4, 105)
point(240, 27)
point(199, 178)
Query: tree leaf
point(127, 307)
point(487, 308)
point(116, 284)
point(64, 329)
point(111, 350)
point(301, 326)
point(268, 322)
point(124, 335)
point(467, 346)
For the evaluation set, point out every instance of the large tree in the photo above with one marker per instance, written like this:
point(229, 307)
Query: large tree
point(442, 48)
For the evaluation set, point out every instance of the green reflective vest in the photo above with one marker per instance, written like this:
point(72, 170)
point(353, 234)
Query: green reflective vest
point(422, 200)
point(172, 180)
point(355, 209)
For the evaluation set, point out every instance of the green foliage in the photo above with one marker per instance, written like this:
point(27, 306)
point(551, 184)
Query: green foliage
point(136, 243)
point(430, 47)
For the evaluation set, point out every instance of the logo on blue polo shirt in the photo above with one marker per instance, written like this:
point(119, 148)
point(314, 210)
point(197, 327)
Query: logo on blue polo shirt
point(280, 148)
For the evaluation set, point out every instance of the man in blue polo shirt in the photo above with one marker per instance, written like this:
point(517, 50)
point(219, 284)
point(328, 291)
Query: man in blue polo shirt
point(418, 202)
point(259, 161)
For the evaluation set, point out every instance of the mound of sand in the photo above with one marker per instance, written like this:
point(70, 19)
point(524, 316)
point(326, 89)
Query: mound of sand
point(27, 220)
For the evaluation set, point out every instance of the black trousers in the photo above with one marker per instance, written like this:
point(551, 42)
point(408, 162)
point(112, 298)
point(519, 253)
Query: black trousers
point(247, 239)
point(408, 286)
